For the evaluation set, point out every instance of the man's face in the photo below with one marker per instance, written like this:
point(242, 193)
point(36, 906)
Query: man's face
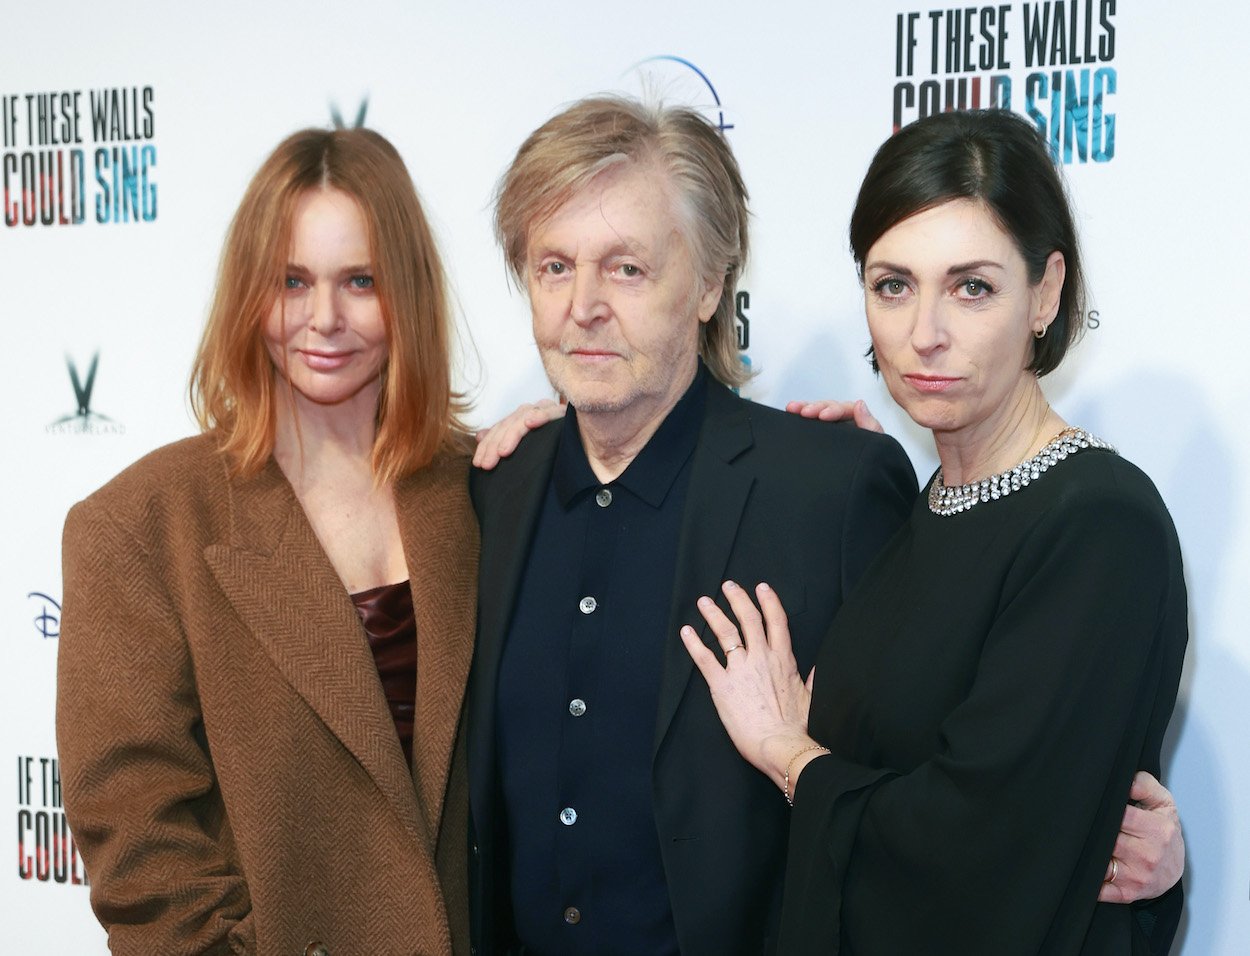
point(616, 300)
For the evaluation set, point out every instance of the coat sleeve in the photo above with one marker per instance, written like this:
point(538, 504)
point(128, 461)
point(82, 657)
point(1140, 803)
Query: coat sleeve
point(998, 842)
point(138, 781)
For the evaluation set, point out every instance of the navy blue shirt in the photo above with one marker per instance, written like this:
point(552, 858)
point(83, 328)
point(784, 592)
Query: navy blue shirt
point(577, 695)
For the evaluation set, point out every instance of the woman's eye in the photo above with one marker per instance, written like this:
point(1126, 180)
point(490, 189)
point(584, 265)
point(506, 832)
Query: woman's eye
point(361, 282)
point(630, 271)
point(975, 288)
point(555, 268)
point(891, 287)
point(291, 282)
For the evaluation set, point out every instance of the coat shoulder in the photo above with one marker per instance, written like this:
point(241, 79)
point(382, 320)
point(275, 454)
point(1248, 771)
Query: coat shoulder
point(516, 471)
point(183, 463)
point(186, 481)
point(828, 446)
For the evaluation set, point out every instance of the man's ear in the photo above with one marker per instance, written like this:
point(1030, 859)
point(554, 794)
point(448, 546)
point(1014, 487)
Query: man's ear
point(709, 299)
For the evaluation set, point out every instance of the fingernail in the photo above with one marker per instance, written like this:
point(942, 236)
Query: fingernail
point(764, 586)
point(705, 602)
point(729, 585)
point(687, 630)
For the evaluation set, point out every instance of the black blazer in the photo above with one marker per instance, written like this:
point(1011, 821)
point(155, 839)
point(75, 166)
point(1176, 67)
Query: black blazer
point(801, 504)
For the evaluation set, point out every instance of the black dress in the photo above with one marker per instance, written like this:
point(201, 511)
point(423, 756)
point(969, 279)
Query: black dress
point(988, 691)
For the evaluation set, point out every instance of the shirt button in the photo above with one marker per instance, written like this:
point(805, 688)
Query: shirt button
point(568, 816)
point(604, 497)
point(572, 915)
point(588, 605)
point(577, 707)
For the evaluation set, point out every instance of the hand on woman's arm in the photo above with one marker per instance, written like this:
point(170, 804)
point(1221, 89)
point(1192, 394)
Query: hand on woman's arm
point(758, 693)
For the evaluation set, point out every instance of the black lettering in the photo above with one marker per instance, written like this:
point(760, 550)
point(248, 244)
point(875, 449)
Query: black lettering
point(1106, 43)
point(115, 118)
point(11, 219)
point(99, 115)
point(742, 302)
point(43, 840)
point(60, 849)
point(149, 118)
point(986, 60)
point(1058, 54)
point(954, 29)
point(1089, 32)
point(8, 121)
point(28, 189)
point(898, 45)
point(1003, 63)
point(930, 98)
point(1000, 92)
point(904, 98)
point(935, 18)
point(25, 863)
point(969, 36)
point(47, 216)
point(1035, 32)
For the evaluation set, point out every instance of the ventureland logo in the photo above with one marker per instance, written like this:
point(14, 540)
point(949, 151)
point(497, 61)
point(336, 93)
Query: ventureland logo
point(83, 420)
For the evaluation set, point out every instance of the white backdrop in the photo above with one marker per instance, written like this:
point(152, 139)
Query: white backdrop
point(807, 91)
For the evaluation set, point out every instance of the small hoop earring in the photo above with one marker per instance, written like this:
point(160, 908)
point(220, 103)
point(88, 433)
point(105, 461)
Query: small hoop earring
point(1040, 333)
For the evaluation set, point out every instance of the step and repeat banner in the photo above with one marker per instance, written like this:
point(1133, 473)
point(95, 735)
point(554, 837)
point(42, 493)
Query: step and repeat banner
point(127, 137)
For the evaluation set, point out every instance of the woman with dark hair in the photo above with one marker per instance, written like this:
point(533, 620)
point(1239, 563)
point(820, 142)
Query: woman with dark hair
point(267, 628)
point(959, 768)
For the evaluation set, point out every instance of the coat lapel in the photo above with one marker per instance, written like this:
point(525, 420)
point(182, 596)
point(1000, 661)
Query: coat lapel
point(283, 587)
point(714, 506)
point(510, 501)
point(441, 548)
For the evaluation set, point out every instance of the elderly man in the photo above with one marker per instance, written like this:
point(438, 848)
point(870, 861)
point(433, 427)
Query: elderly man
point(611, 812)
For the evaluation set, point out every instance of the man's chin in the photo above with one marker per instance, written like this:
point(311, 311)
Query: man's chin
point(591, 401)
point(590, 395)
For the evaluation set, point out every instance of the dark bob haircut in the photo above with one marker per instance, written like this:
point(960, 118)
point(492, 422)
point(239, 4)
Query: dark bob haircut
point(994, 157)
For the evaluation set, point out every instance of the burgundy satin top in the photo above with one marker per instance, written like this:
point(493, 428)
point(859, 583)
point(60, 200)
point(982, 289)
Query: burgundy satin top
point(387, 615)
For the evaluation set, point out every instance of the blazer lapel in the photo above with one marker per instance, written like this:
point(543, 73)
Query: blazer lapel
point(510, 502)
point(441, 548)
point(283, 587)
point(714, 506)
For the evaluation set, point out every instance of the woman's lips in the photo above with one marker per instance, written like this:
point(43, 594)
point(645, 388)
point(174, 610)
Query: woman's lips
point(325, 361)
point(930, 383)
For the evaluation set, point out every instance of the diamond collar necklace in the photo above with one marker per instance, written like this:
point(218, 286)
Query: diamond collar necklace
point(951, 501)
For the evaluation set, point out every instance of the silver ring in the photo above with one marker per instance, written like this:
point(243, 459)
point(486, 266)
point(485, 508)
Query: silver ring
point(730, 650)
point(1115, 871)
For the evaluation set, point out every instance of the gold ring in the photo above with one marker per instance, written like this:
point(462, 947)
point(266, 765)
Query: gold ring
point(730, 650)
point(1115, 871)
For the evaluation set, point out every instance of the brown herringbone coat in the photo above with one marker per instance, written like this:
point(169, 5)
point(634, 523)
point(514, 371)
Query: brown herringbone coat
point(230, 769)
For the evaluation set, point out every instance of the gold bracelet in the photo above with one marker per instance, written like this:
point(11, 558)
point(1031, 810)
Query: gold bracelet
point(790, 766)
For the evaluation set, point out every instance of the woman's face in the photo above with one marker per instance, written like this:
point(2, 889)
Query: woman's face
point(325, 332)
point(952, 314)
